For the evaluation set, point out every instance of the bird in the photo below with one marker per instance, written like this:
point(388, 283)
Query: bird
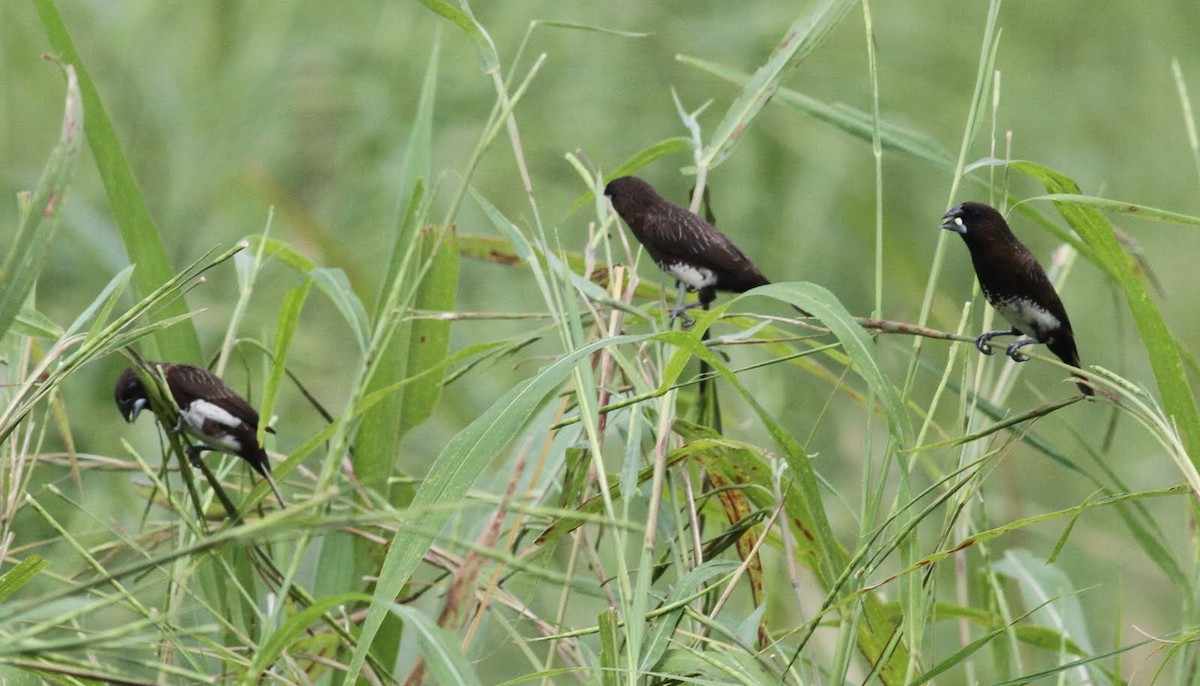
point(209, 411)
point(1016, 286)
point(693, 251)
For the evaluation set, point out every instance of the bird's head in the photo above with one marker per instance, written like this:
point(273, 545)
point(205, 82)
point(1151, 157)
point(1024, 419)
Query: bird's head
point(130, 395)
point(629, 194)
point(971, 218)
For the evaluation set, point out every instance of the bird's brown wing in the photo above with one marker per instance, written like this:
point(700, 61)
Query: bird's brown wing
point(189, 383)
point(681, 235)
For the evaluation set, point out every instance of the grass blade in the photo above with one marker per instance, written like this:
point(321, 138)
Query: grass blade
point(1161, 347)
point(24, 572)
point(802, 37)
point(39, 220)
point(453, 472)
point(143, 244)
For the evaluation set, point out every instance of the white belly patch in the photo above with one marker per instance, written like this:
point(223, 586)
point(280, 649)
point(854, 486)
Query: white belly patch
point(202, 411)
point(695, 277)
point(1029, 318)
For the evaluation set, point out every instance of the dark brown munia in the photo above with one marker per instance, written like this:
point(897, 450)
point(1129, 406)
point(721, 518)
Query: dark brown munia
point(210, 411)
point(1016, 285)
point(683, 245)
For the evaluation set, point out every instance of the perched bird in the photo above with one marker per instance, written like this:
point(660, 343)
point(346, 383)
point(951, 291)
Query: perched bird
point(210, 411)
point(1016, 285)
point(683, 245)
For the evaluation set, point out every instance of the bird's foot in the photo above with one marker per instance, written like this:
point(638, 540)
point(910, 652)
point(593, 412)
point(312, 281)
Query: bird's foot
point(982, 341)
point(983, 345)
point(193, 453)
point(1014, 350)
point(685, 322)
point(680, 313)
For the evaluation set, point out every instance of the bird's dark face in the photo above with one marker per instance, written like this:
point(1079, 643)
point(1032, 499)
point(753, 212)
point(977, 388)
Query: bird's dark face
point(630, 194)
point(130, 395)
point(971, 218)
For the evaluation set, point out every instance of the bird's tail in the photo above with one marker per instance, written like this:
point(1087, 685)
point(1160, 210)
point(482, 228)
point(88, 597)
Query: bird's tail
point(1067, 352)
point(1084, 387)
point(262, 465)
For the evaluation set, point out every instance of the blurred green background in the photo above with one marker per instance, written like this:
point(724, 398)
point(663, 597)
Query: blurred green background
point(229, 109)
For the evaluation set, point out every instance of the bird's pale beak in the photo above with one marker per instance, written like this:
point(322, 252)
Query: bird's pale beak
point(132, 410)
point(953, 223)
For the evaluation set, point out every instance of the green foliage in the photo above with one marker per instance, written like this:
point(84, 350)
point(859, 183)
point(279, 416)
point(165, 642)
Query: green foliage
point(501, 464)
point(140, 236)
point(40, 214)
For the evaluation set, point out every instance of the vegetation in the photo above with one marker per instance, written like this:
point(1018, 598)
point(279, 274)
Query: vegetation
point(384, 224)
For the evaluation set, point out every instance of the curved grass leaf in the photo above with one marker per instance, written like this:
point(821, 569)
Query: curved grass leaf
point(802, 37)
point(139, 234)
point(635, 162)
point(849, 119)
point(858, 346)
point(464, 21)
point(441, 652)
point(333, 282)
point(285, 328)
point(337, 286)
point(453, 472)
point(966, 651)
point(104, 303)
point(39, 220)
point(572, 26)
point(659, 637)
point(1120, 207)
point(874, 630)
point(720, 664)
point(1052, 590)
point(24, 572)
point(1161, 347)
point(268, 651)
point(33, 324)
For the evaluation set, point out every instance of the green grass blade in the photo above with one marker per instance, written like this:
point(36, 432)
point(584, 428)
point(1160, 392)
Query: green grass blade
point(874, 630)
point(440, 649)
point(463, 20)
point(1120, 207)
point(281, 638)
point(285, 328)
point(102, 306)
point(24, 572)
point(858, 346)
point(849, 119)
point(428, 340)
point(39, 221)
point(610, 647)
point(379, 431)
point(337, 286)
point(33, 324)
point(588, 28)
point(637, 161)
point(1161, 347)
point(143, 244)
point(415, 168)
point(801, 38)
point(966, 651)
point(453, 472)
point(662, 631)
